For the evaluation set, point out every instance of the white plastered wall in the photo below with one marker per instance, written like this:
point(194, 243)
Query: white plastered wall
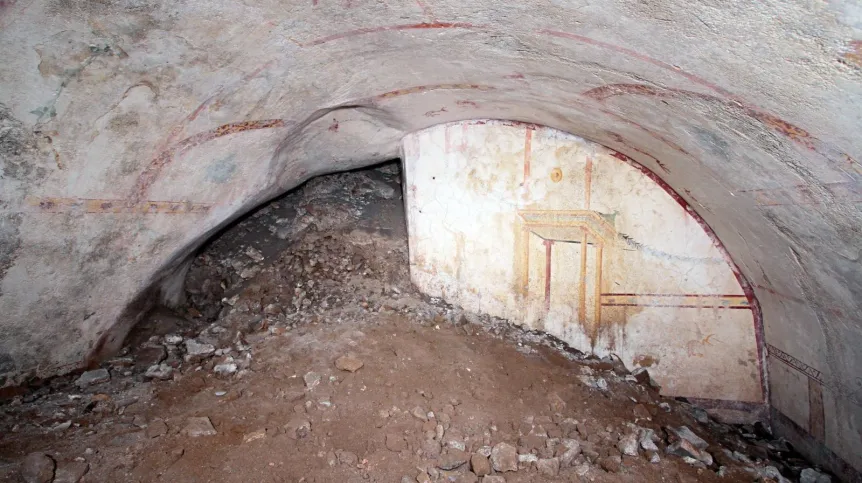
point(498, 216)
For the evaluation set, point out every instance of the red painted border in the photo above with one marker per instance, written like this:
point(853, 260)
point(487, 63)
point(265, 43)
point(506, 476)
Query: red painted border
point(737, 307)
point(740, 278)
point(390, 28)
point(672, 295)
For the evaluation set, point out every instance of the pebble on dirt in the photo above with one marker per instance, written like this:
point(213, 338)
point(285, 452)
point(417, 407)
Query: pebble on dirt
point(254, 436)
point(480, 464)
point(311, 379)
point(348, 363)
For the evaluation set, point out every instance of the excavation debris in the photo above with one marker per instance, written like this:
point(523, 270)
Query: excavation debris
point(304, 340)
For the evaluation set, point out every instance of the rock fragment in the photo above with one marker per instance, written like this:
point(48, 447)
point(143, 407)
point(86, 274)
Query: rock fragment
point(226, 368)
point(38, 468)
point(571, 450)
point(150, 355)
point(480, 465)
point(548, 466)
point(254, 436)
point(156, 429)
point(196, 352)
point(628, 445)
point(431, 448)
point(311, 379)
point(504, 457)
point(419, 413)
point(346, 457)
point(348, 363)
point(556, 403)
point(162, 372)
point(641, 412)
point(199, 426)
point(71, 472)
point(298, 428)
point(810, 475)
point(683, 432)
point(452, 459)
point(611, 464)
point(395, 442)
point(645, 439)
point(91, 378)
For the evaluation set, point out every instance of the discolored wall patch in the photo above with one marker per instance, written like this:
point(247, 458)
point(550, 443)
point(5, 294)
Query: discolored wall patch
point(221, 170)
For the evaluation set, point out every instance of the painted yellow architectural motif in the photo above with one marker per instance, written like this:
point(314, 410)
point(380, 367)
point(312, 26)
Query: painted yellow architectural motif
point(561, 235)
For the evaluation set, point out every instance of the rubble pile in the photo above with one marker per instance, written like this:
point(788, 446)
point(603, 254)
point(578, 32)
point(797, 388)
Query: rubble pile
point(304, 354)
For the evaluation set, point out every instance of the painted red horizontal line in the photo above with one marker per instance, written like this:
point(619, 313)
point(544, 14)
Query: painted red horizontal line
point(428, 88)
point(390, 28)
point(670, 295)
point(115, 206)
point(680, 306)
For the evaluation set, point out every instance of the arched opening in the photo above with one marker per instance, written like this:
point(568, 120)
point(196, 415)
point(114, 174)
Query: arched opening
point(306, 333)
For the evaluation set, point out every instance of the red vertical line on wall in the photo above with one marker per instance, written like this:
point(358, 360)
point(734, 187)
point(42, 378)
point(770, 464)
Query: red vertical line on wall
point(548, 245)
point(582, 283)
point(588, 182)
point(528, 153)
point(599, 259)
point(816, 414)
point(526, 234)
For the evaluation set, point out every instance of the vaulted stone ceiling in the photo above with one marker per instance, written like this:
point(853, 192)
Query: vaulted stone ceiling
point(132, 130)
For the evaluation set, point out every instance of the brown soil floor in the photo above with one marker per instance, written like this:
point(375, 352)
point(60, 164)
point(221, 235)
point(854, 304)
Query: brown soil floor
point(319, 275)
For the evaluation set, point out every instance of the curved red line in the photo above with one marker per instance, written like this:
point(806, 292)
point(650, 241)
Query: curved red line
point(389, 28)
point(643, 57)
point(165, 157)
point(795, 133)
point(740, 278)
point(427, 88)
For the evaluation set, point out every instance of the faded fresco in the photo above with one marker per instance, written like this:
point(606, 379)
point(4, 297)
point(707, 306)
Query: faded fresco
point(549, 230)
